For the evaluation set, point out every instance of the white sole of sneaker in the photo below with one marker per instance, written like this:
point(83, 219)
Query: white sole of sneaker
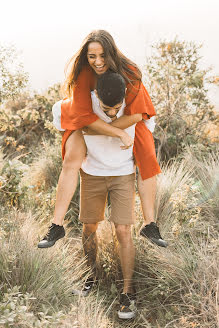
point(77, 292)
point(126, 315)
point(159, 242)
point(83, 292)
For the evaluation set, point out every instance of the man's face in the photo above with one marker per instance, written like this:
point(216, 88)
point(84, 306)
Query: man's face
point(110, 111)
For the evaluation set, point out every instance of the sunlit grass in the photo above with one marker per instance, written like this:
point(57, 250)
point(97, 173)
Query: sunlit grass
point(176, 287)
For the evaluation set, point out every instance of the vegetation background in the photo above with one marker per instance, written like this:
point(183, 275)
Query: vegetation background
point(177, 286)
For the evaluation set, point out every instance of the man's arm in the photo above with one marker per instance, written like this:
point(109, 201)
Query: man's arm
point(97, 127)
point(126, 121)
point(123, 122)
point(103, 128)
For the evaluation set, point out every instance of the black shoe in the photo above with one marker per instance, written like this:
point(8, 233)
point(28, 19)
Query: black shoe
point(89, 284)
point(54, 233)
point(151, 231)
point(128, 308)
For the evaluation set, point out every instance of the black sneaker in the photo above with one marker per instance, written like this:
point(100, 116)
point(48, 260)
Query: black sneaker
point(54, 233)
point(89, 284)
point(128, 308)
point(151, 231)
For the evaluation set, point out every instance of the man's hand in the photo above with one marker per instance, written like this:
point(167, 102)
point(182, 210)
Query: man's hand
point(126, 140)
point(124, 137)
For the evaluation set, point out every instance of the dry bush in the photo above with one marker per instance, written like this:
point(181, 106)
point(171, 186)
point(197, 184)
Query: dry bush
point(45, 168)
point(89, 313)
point(41, 180)
point(177, 283)
point(178, 286)
point(47, 274)
point(26, 121)
point(36, 284)
point(207, 173)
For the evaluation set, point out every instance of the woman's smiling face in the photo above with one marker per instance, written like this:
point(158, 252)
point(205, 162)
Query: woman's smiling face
point(96, 58)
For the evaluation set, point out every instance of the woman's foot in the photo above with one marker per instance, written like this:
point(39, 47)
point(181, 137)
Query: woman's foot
point(54, 233)
point(151, 231)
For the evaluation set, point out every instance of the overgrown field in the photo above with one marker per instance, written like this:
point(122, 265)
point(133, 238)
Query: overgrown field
point(177, 286)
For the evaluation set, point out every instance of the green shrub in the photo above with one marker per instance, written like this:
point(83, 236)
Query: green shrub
point(13, 79)
point(24, 123)
point(11, 191)
point(15, 311)
point(179, 91)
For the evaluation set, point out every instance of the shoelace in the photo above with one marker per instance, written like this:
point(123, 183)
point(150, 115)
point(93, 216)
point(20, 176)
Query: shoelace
point(49, 231)
point(125, 300)
point(154, 231)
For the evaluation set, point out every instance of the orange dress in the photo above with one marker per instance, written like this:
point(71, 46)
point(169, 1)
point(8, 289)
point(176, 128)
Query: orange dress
point(77, 113)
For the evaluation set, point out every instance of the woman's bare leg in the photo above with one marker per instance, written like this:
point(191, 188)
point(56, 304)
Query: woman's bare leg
point(147, 193)
point(75, 151)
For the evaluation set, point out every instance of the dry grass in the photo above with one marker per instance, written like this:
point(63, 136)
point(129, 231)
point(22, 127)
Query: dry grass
point(48, 274)
point(44, 170)
point(177, 287)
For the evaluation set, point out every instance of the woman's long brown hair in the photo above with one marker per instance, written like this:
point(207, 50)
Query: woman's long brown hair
point(115, 60)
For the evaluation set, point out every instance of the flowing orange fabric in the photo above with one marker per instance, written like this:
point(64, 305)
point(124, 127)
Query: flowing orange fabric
point(77, 113)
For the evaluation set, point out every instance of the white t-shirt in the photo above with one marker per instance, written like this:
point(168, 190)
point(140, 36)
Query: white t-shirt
point(104, 155)
point(56, 112)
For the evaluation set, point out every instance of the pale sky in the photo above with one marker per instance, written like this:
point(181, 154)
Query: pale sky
point(48, 33)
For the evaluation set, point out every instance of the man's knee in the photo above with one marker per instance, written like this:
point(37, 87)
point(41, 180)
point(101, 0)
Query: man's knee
point(123, 232)
point(89, 228)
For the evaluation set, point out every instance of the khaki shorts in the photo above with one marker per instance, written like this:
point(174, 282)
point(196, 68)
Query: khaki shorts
point(94, 191)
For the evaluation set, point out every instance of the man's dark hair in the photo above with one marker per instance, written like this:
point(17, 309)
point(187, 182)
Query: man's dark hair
point(111, 88)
